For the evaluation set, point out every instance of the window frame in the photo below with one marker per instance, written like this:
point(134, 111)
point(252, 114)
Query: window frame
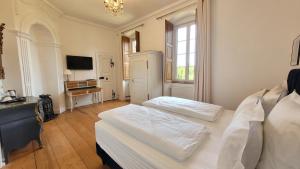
point(175, 35)
point(132, 39)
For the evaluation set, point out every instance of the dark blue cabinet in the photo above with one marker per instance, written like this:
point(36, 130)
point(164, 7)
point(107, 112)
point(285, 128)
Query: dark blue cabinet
point(18, 125)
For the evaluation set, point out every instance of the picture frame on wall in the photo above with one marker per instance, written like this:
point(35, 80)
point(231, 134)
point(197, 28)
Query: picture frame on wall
point(2, 27)
point(296, 52)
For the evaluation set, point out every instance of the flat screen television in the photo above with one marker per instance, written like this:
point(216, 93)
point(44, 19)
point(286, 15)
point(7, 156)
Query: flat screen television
point(79, 63)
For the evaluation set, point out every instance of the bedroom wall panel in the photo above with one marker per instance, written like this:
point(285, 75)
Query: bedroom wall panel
point(152, 34)
point(252, 45)
point(10, 48)
point(78, 37)
point(86, 40)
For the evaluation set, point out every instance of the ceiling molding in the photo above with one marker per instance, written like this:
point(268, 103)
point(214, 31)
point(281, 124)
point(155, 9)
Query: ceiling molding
point(161, 11)
point(60, 12)
point(78, 20)
point(174, 6)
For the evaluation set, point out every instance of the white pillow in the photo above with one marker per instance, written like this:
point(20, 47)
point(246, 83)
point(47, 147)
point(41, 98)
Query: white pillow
point(282, 135)
point(254, 145)
point(242, 140)
point(254, 98)
point(271, 98)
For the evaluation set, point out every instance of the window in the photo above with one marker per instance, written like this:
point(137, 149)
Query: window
point(185, 52)
point(130, 44)
point(133, 46)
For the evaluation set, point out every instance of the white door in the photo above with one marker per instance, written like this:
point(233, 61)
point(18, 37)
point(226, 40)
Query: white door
point(105, 75)
point(138, 80)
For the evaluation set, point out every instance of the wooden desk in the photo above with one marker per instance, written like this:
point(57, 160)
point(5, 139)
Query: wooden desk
point(79, 88)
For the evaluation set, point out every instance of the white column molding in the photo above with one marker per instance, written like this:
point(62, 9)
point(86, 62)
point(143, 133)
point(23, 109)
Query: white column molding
point(23, 40)
point(60, 76)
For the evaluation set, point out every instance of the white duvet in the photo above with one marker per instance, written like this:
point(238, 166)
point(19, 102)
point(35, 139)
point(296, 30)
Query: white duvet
point(172, 135)
point(203, 111)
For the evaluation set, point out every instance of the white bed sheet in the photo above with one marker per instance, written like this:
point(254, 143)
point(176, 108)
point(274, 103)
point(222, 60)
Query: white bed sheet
point(201, 110)
point(130, 153)
point(174, 136)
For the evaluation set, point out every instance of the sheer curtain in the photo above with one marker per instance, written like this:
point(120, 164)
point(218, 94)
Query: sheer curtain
point(203, 59)
point(1, 159)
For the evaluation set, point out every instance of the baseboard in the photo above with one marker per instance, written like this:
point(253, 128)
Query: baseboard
point(2, 164)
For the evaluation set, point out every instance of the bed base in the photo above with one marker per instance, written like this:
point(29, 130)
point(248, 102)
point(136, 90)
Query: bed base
point(106, 159)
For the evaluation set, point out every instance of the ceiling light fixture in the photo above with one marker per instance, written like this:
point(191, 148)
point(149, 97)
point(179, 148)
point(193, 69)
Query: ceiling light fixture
point(114, 6)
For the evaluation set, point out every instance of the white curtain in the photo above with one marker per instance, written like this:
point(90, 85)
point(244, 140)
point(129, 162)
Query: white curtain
point(1, 159)
point(203, 59)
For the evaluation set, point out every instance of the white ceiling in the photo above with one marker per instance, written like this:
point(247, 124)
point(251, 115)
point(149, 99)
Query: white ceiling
point(93, 10)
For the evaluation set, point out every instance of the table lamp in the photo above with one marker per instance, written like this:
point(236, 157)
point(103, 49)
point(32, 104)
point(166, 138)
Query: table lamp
point(67, 72)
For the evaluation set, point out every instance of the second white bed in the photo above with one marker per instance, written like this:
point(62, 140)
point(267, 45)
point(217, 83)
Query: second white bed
point(130, 153)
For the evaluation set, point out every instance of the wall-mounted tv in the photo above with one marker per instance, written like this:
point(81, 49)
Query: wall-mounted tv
point(79, 63)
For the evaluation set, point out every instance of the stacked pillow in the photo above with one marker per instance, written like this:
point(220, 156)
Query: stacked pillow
point(242, 140)
point(272, 97)
point(282, 135)
point(254, 98)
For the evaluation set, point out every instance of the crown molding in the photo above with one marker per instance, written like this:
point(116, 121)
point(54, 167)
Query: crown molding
point(172, 7)
point(78, 20)
point(57, 10)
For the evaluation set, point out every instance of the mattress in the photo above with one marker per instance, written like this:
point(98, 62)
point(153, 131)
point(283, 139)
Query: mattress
point(170, 134)
point(201, 110)
point(131, 153)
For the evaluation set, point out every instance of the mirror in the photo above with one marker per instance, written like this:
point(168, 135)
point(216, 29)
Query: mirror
point(296, 52)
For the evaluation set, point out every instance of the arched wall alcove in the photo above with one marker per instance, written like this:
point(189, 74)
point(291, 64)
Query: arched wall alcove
point(43, 63)
point(27, 21)
point(38, 42)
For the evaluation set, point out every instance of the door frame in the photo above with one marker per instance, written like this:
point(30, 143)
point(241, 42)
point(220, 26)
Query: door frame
point(114, 78)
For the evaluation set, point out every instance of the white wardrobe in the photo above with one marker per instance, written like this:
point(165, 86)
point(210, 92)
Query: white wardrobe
point(146, 76)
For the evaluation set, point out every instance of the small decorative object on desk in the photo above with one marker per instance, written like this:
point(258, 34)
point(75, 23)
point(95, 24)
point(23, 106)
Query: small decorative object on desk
point(11, 97)
point(296, 52)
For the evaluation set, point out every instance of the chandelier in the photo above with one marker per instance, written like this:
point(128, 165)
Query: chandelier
point(114, 6)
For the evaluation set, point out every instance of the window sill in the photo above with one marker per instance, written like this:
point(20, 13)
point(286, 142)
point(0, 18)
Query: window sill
point(182, 82)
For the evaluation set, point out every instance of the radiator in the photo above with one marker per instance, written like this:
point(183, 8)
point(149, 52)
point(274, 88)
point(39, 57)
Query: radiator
point(183, 91)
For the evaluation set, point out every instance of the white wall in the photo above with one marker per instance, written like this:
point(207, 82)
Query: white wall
point(10, 50)
point(85, 40)
point(72, 36)
point(44, 64)
point(36, 73)
point(251, 45)
point(152, 35)
point(11, 62)
point(252, 42)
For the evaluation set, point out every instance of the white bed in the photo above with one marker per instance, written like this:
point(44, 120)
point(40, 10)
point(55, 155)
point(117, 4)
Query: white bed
point(201, 110)
point(170, 134)
point(130, 153)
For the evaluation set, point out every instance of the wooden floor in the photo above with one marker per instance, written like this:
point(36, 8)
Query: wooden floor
point(68, 142)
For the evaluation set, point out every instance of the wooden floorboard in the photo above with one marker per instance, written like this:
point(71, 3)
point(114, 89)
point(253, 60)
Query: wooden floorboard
point(68, 142)
point(44, 157)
